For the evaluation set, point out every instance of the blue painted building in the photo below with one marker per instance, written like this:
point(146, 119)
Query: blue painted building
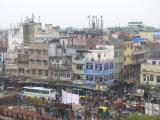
point(99, 66)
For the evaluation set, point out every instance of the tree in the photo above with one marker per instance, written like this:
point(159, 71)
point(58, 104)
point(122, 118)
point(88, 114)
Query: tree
point(134, 116)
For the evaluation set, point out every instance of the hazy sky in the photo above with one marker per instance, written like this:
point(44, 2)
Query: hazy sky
point(74, 12)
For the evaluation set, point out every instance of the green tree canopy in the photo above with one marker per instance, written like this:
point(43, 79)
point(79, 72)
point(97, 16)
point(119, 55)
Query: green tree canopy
point(134, 116)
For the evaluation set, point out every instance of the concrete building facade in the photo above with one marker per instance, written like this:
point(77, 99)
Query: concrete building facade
point(31, 62)
point(99, 65)
point(150, 72)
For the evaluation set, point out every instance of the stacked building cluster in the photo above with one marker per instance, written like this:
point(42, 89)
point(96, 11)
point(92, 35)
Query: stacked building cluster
point(31, 53)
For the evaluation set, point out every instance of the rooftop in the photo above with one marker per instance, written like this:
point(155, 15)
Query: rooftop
point(37, 88)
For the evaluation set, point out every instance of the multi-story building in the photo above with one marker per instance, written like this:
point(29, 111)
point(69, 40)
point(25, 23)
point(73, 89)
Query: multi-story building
point(15, 38)
point(136, 24)
point(99, 65)
point(38, 61)
point(150, 72)
point(87, 39)
point(134, 55)
point(60, 68)
point(31, 62)
point(118, 55)
point(150, 77)
point(3, 48)
point(78, 64)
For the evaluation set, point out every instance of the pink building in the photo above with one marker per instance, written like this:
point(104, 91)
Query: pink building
point(87, 39)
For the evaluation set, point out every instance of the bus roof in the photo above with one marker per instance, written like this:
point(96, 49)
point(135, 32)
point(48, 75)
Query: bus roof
point(38, 88)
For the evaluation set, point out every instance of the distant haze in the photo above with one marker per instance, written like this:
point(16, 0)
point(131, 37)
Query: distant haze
point(74, 12)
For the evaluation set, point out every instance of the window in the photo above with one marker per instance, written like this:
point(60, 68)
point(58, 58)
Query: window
point(56, 73)
point(158, 79)
point(111, 65)
point(111, 76)
point(106, 66)
point(68, 74)
point(79, 67)
point(21, 70)
point(32, 61)
point(33, 72)
point(45, 62)
point(89, 77)
point(153, 62)
point(147, 78)
point(106, 78)
point(32, 51)
point(38, 62)
point(116, 54)
point(116, 65)
point(98, 66)
point(39, 52)
point(124, 58)
point(127, 56)
point(97, 78)
point(99, 56)
point(63, 74)
point(46, 72)
point(89, 66)
point(39, 72)
point(28, 71)
point(144, 77)
point(151, 77)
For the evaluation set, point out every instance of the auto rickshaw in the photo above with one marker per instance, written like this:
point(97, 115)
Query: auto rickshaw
point(103, 111)
point(82, 97)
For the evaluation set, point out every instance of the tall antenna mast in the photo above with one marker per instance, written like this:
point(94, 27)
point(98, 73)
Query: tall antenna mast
point(39, 18)
point(21, 20)
point(33, 17)
point(89, 21)
point(96, 22)
point(101, 23)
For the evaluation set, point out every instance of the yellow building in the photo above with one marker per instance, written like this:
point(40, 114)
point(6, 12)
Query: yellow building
point(128, 52)
point(134, 55)
point(147, 36)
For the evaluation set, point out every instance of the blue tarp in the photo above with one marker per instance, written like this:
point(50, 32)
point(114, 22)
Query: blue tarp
point(136, 39)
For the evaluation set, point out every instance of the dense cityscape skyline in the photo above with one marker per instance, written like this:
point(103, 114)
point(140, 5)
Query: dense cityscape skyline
point(74, 13)
point(79, 60)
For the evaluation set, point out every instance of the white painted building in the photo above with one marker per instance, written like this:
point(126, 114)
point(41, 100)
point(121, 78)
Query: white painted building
point(150, 72)
point(15, 38)
point(102, 53)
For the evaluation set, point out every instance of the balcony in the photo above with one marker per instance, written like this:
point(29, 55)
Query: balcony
point(138, 61)
point(139, 52)
point(78, 61)
point(78, 71)
point(60, 66)
point(150, 68)
point(38, 56)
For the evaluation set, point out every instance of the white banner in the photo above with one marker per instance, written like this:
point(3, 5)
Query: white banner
point(70, 98)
